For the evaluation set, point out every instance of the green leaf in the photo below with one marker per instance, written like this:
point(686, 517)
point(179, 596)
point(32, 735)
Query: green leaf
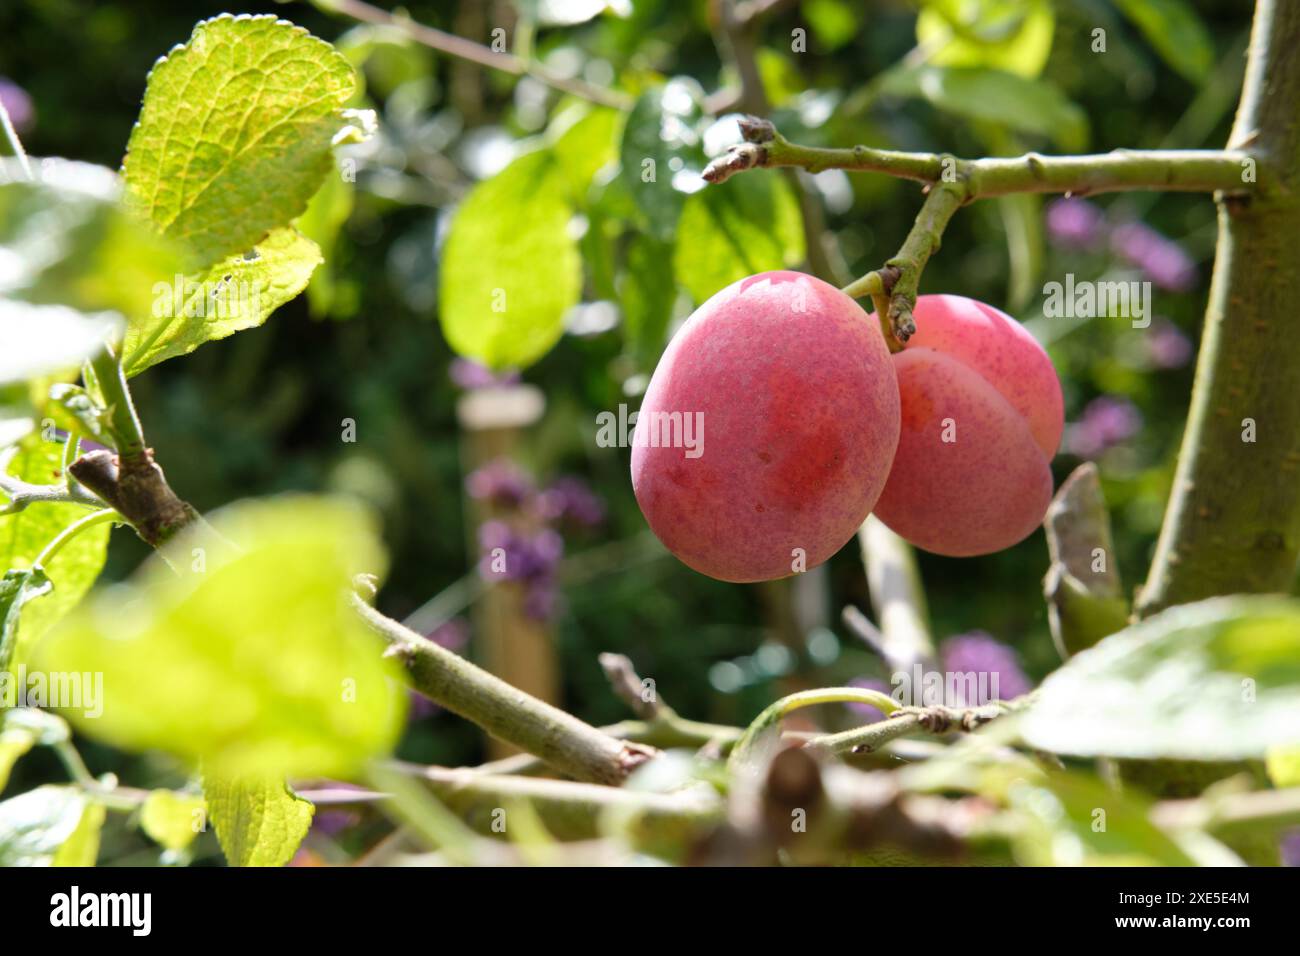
point(14, 742)
point(1010, 35)
point(238, 293)
point(235, 133)
point(16, 589)
point(259, 821)
point(1175, 30)
point(1283, 766)
point(646, 295)
point(746, 225)
point(587, 146)
point(833, 22)
point(1215, 680)
point(173, 819)
point(510, 268)
point(662, 155)
point(50, 826)
point(250, 659)
point(38, 340)
point(25, 534)
point(326, 214)
point(1028, 106)
point(66, 240)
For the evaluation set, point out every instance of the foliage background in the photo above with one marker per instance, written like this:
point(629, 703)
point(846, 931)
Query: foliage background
point(259, 413)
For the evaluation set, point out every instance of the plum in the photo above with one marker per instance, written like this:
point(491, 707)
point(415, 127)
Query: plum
point(982, 416)
point(767, 431)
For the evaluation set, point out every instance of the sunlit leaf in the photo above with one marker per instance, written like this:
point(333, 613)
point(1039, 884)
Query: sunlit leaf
point(510, 267)
point(172, 819)
point(259, 821)
point(1011, 35)
point(50, 826)
point(236, 131)
point(36, 340)
point(250, 658)
point(1215, 680)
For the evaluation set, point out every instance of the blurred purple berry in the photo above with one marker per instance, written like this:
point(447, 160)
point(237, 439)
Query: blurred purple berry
point(1167, 346)
point(1074, 222)
point(1290, 847)
point(17, 103)
point(569, 499)
point(1162, 260)
point(500, 483)
point(868, 713)
point(979, 653)
point(467, 374)
point(1105, 422)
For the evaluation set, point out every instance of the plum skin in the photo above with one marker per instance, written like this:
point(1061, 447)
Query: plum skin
point(971, 374)
point(800, 413)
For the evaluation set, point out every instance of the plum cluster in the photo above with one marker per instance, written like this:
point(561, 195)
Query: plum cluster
point(810, 424)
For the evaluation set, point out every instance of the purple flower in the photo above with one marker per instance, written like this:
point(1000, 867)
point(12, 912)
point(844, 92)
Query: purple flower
point(868, 713)
point(1105, 422)
point(466, 373)
point(541, 600)
point(517, 556)
point(570, 499)
point(500, 483)
point(1162, 260)
point(1167, 346)
point(17, 103)
point(1074, 222)
point(997, 671)
point(1290, 847)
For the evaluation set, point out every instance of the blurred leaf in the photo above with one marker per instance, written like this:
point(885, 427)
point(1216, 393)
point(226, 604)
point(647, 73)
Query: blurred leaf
point(661, 155)
point(1175, 30)
point(50, 826)
point(16, 589)
point(65, 240)
point(169, 818)
point(386, 54)
point(14, 742)
point(36, 340)
point(510, 268)
point(833, 22)
point(236, 131)
point(259, 822)
point(565, 13)
point(1022, 219)
point(1074, 820)
point(1283, 766)
point(326, 214)
point(646, 295)
point(1029, 106)
point(586, 147)
point(1010, 35)
point(25, 534)
point(746, 225)
point(1215, 680)
point(251, 660)
point(238, 293)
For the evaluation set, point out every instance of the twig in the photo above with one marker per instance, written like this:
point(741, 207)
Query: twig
point(566, 743)
point(896, 596)
point(473, 52)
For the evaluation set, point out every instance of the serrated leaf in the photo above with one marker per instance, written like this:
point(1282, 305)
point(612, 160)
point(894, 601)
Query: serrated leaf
point(251, 658)
point(36, 825)
point(172, 819)
point(662, 155)
point(1025, 105)
point(238, 293)
point(236, 131)
point(259, 821)
point(510, 268)
point(25, 534)
point(746, 225)
point(1011, 35)
point(1176, 32)
point(38, 340)
point(1214, 680)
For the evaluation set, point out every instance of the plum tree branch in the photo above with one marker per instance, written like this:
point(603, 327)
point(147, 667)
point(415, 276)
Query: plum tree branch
point(566, 743)
point(472, 52)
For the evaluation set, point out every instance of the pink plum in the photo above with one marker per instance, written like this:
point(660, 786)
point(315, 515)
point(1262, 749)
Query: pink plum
point(767, 430)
